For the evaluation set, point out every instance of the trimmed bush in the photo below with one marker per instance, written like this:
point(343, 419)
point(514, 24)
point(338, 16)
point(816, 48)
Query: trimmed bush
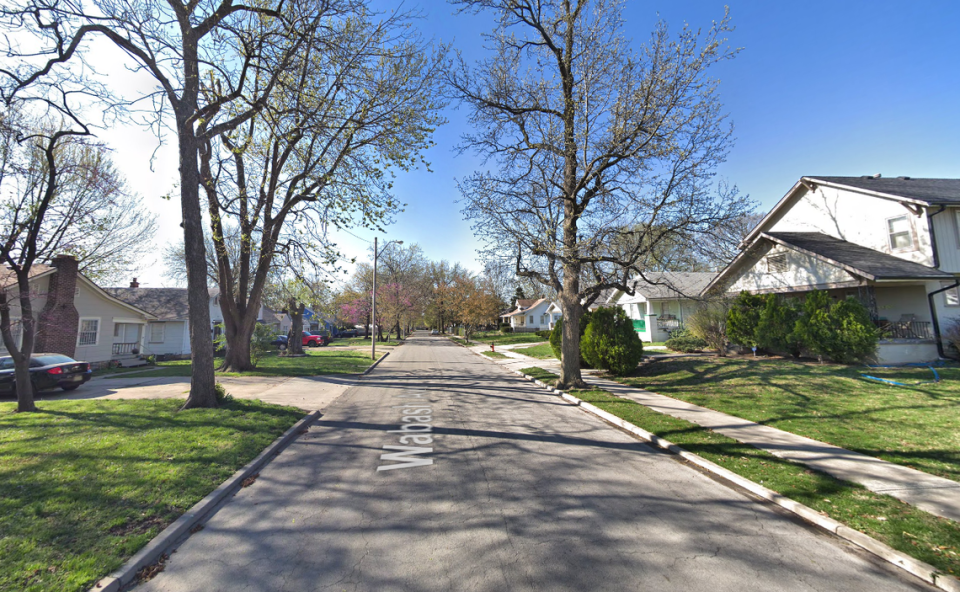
point(841, 331)
point(776, 328)
point(609, 342)
point(556, 336)
point(743, 319)
point(506, 329)
point(544, 334)
point(814, 326)
point(709, 323)
point(685, 342)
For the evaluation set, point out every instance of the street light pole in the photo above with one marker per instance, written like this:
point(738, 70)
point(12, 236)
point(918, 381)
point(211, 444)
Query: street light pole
point(373, 304)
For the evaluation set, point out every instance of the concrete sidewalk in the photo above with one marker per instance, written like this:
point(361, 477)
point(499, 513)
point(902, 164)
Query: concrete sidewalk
point(933, 494)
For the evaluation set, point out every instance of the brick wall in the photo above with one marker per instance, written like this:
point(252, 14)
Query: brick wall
point(59, 320)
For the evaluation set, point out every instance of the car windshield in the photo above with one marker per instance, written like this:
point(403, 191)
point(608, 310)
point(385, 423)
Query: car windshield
point(6, 363)
point(51, 359)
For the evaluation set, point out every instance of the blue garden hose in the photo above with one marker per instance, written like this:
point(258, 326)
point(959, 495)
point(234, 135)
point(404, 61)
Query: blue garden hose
point(936, 375)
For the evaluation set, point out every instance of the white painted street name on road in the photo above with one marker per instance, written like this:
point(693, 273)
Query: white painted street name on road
point(416, 427)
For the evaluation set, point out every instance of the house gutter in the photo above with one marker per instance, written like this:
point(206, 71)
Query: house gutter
point(936, 321)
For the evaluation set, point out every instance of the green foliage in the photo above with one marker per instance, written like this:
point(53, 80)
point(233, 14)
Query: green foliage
point(776, 326)
point(855, 336)
point(709, 323)
point(506, 329)
point(686, 342)
point(609, 342)
point(260, 342)
point(544, 334)
point(556, 336)
point(841, 331)
point(220, 341)
point(743, 319)
point(222, 395)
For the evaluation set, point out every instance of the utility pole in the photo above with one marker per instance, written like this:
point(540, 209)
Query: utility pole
point(373, 307)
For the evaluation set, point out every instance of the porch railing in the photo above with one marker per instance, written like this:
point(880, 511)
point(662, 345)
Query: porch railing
point(905, 329)
point(668, 324)
point(120, 349)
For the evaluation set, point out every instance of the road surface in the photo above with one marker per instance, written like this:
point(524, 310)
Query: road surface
point(441, 471)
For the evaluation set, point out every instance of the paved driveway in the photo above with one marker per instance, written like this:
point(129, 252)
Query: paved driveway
point(504, 487)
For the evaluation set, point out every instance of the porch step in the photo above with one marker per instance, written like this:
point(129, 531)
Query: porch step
point(132, 362)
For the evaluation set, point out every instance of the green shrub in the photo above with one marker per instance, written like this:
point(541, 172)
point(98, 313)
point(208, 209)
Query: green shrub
point(776, 328)
point(709, 323)
point(813, 327)
point(856, 337)
point(221, 393)
point(609, 342)
point(506, 329)
point(685, 342)
point(544, 334)
point(260, 342)
point(743, 319)
point(556, 336)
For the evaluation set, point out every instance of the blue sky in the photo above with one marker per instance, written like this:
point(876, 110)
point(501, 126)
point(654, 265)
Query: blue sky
point(819, 88)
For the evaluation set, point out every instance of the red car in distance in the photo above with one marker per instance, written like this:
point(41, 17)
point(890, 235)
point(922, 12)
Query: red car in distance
point(314, 339)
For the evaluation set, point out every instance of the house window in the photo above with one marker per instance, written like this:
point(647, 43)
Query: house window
point(156, 332)
point(531, 319)
point(777, 263)
point(89, 332)
point(899, 230)
point(951, 296)
point(117, 328)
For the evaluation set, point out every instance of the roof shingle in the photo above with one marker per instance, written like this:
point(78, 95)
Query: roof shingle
point(931, 191)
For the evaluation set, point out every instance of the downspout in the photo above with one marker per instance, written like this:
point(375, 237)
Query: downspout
point(936, 264)
point(936, 321)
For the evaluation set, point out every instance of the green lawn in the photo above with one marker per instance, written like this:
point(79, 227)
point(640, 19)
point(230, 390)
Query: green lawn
point(120, 371)
point(543, 351)
point(498, 338)
point(903, 527)
point(656, 343)
point(85, 484)
point(315, 363)
point(917, 426)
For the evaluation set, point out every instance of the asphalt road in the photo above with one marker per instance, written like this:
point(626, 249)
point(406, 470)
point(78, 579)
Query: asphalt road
point(522, 492)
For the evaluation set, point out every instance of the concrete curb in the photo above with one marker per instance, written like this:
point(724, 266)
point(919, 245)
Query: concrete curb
point(915, 567)
point(375, 364)
point(164, 541)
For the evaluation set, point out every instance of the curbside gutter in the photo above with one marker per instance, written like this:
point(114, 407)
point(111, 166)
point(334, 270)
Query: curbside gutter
point(375, 364)
point(915, 567)
point(167, 539)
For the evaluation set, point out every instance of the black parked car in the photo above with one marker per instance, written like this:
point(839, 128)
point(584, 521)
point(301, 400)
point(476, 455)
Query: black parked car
point(280, 340)
point(348, 332)
point(47, 371)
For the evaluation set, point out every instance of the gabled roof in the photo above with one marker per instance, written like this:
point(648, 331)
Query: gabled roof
point(167, 304)
point(672, 284)
point(524, 308)
point(524, 303)
point(854, 258)
point(928, 191)
point(9, 278)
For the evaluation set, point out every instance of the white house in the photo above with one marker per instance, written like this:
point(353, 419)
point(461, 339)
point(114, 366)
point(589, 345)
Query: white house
point(893, 243)
point(77, 318)
point(661, 301)
point(532, 315)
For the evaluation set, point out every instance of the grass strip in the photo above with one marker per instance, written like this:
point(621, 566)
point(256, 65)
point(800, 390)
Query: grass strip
point(315, 363)
point(497, 338)
point(907, 529)
point(85, 484)
point(543, 351)
point(494, 354)
point(541, 375)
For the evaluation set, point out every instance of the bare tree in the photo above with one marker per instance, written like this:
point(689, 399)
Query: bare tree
point(215, 64)
point(56, 189)
point(601, 151)
point(353, 106)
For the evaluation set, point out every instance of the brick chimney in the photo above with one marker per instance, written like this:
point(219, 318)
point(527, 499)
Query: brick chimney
point(134, 283)
point(59, 320)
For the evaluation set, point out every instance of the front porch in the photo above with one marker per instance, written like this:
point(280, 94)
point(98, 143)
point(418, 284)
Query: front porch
point(127, 343)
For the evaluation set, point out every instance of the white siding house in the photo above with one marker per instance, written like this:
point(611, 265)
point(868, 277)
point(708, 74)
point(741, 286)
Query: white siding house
point(661, 301)
point(532, 315)
point(892, 243)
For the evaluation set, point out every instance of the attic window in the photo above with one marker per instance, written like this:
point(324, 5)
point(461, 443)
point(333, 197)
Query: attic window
point(899, 230)
point(777, 263)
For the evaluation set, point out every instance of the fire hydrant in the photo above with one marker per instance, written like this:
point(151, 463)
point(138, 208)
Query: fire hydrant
point(491, 348)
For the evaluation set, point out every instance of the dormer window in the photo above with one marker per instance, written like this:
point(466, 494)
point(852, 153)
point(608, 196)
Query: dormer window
point(777, 263)
point(899, 231)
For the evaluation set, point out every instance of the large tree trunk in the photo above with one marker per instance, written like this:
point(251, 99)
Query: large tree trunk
point(295, 340)
point(202, 381)
point(21, 355)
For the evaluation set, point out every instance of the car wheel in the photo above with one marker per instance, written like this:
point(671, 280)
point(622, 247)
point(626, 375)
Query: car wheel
point(72, 387)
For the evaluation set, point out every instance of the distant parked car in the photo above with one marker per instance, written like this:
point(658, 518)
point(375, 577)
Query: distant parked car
point(434, 332)
point(348, 332)
point(314, 339)
point(280, 340)
point(47, 371)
